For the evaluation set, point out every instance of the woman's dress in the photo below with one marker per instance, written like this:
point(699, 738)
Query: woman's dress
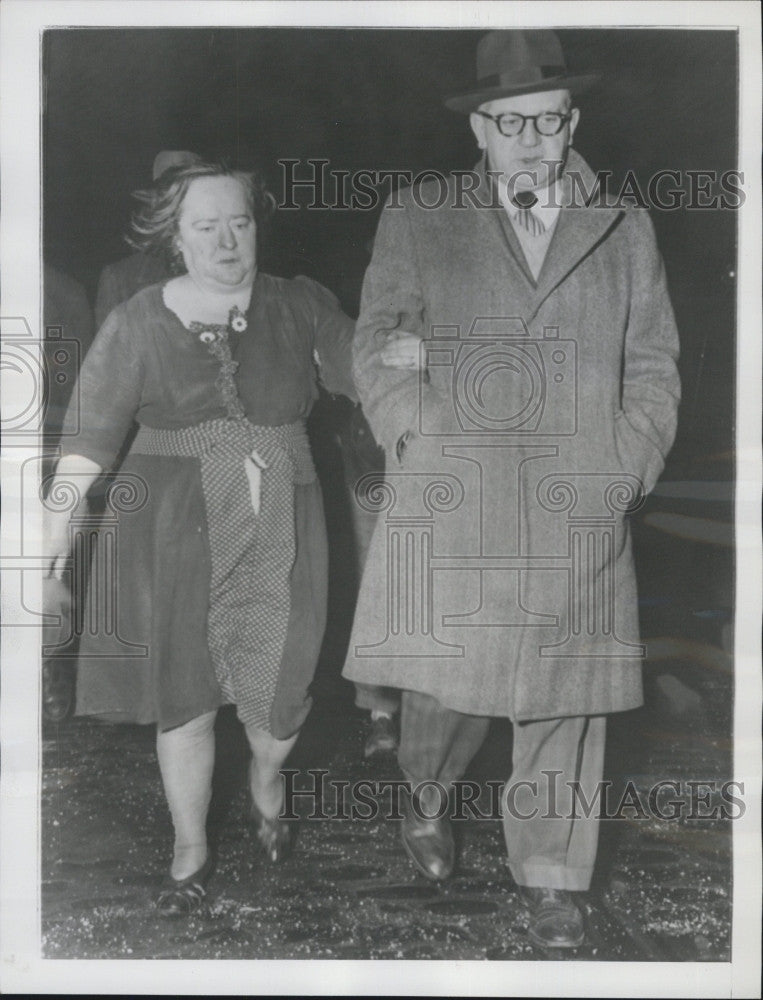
point(212, 585)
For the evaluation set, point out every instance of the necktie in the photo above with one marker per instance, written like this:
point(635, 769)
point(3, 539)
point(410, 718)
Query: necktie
point(523, 201)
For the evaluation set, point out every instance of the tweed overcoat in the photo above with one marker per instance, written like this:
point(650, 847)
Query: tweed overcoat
point(500, 577)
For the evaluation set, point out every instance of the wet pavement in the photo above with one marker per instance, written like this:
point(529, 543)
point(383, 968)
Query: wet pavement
point(662, 891)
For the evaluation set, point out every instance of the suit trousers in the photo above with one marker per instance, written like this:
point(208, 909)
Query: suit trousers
point(556, 764)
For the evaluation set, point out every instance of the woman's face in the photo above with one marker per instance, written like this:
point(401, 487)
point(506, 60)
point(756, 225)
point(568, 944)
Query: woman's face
point(217, 234)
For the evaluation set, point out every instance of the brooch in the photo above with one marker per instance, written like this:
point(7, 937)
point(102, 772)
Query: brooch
point(237, 320)
point(212, 333)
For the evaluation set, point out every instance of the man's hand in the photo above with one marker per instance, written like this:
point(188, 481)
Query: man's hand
point(402, 350)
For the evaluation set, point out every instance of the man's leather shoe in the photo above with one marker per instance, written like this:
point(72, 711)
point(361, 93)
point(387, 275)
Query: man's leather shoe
point(428, 843)
point(555, 920)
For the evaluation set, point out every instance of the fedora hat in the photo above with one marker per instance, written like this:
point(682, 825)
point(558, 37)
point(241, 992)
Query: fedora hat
point(510, 63)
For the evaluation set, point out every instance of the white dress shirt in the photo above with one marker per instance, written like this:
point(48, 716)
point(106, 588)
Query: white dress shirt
point(534, 247)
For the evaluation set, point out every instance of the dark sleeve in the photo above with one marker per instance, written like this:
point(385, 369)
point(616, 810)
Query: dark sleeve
point(107, 394)
point(333, 332)
point(81, 320)
point(108, 296)
point(68, 336)
point(392, 299)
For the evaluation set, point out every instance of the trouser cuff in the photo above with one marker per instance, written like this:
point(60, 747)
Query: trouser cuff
point(536, 875)
point(377, 699)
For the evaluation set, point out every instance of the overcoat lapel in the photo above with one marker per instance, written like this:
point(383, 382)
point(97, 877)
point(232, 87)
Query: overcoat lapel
point(579, 228)
point(499, 245)
point(578, 231)
point(510, 238)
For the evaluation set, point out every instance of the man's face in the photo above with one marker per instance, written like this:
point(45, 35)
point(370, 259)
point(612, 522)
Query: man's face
point(520, 158)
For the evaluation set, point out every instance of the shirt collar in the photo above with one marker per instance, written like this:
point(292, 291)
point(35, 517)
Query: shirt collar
point(550, 200)
point(546, 209)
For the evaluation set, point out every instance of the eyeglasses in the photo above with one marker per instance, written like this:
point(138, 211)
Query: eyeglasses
point(511, 124)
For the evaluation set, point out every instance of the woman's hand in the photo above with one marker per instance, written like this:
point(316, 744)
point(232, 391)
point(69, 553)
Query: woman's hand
point(55, 534)
point(402, 350)
point(74, 476)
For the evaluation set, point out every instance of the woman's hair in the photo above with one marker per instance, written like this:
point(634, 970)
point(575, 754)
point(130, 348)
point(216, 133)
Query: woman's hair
point(154, 225)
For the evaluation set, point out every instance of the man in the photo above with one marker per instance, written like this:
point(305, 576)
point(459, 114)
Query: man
point(548, 405)
point(118, 282)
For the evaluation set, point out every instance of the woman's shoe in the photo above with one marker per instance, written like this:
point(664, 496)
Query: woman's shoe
point(274, 835)
point(182, 897)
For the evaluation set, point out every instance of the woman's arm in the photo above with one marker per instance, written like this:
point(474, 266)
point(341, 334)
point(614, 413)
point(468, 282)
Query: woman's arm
point(106, 397)
point(107, 394)
point(334, 334)
point(333, 331)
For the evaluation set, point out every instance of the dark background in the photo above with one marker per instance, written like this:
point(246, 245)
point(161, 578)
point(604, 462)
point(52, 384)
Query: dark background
point(368, 99)
point(373, 99)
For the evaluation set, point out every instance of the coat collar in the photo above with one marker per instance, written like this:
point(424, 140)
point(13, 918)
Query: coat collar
point(579, 229)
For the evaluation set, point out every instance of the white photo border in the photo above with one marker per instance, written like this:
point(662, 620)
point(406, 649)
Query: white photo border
point(22, 969)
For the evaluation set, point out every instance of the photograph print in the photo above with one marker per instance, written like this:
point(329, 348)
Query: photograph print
point(388, 495)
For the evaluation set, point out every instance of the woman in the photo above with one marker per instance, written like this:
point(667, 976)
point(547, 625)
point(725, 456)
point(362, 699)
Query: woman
point(222, 572)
